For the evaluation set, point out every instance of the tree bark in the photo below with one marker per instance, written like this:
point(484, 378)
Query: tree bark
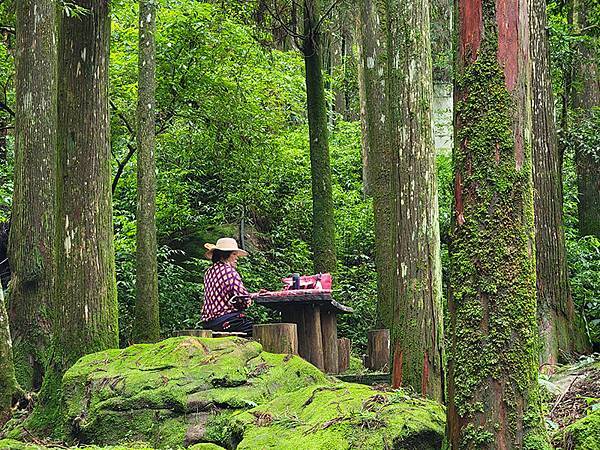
point(379, 158)
point(323, 227)
point(415, 317)
point(493, 391)
point(561, 332)
point(146, 325)
point(277, 337)
point(441, 39)
point(586, 95)
point(86, 312)
point(32, 233)
point(8, 382)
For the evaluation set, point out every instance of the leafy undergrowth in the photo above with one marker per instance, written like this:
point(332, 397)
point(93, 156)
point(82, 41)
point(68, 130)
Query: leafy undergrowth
point(573, 407)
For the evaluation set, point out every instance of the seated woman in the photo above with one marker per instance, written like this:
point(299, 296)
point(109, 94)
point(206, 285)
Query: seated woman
point(225, 296)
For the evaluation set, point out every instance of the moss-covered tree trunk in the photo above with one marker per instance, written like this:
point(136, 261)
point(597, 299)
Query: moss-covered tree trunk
point(8, 382)
point(146, 325)
point(586, 95)
point(380, 159)
point(560, 331)
point(323, 226)
point(493, 392)
point(86, 306)
point(415, 317)
point(32, 233)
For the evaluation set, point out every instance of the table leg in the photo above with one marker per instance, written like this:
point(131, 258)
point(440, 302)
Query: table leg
point(330, 341)
point(296, 315)
point(313, 335)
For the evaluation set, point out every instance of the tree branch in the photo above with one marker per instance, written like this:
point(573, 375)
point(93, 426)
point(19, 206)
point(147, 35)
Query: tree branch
point(7, 108)
point(121, 166)
point(326, 13)
point(121, 116)
point(283, 25)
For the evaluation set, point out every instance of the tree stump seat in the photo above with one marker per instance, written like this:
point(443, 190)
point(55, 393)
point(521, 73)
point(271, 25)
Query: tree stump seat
point(277, 337)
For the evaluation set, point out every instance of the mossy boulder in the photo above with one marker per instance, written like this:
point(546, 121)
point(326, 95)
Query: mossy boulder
point(178, 392)
point(344, 416)
point(584, 434)
point(11, 444)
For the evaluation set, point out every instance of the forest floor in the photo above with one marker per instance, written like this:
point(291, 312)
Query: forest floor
point(582, 394)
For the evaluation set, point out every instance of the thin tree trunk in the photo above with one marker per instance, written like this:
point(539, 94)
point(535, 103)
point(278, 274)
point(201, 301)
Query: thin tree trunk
point(415, 317)
point(323, 232)
point(493, 391)
point(586, 95)
point(380, 159)
point(32, 232)
point(87, 309)
point(8, 382)
point(561, 332)
point(146, 326)
point(441, 39)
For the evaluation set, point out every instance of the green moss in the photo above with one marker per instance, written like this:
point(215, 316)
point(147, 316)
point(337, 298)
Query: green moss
point(153, 392)
point(206, 446)
point(11, 444)
point(343, 416)
point(584, 434)
point(494, 324)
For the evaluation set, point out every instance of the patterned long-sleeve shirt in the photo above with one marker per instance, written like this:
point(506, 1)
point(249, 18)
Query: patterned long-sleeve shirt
point(221, 283)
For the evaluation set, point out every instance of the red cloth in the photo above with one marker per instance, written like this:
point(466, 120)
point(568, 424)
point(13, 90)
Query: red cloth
point(221, 283)
point(319, 281)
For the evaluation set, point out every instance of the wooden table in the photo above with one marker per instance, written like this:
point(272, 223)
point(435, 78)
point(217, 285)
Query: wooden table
point(315, 314)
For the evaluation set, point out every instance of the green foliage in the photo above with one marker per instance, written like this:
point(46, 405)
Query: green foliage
point(583, 252)
point(7, 43)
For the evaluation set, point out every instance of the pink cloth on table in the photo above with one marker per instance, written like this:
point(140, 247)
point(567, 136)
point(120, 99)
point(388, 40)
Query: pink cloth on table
point(321, 281)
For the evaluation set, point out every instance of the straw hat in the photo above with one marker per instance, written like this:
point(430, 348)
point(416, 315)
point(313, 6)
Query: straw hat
point(225, 245)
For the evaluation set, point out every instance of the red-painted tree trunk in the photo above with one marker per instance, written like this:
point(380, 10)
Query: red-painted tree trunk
point(493, 392)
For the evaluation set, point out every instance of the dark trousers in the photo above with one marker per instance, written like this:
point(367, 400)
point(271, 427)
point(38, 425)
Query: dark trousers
point(232, 322)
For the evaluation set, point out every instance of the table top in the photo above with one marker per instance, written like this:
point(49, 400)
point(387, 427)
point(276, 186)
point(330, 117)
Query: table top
point(301, 298)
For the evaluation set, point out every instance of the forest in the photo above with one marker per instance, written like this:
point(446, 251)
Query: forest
point(441, 160)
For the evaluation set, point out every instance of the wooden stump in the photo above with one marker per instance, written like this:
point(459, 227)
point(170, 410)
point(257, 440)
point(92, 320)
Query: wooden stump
point(378, 349)
point(277, 337)
point(344, 349)
point(196, 333)
point(313, 336)
point(294, 315)
point(330, 341)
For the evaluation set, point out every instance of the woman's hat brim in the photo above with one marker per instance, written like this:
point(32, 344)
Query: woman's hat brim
point(212, 247)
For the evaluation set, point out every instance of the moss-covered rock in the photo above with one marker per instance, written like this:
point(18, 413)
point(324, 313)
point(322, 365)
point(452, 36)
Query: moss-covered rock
point(343, 416)
point(584, 434)
point(175, 392)
point(206, 446)
point(11, 444)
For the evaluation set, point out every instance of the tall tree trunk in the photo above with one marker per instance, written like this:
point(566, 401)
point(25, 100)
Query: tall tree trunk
point(586, 97)
point(560, 331)
point(415, 317)
point(32, 232)
point(8, 382)
point(86, 306)
point(323, 231)
point(146, 326)
point(380, 159)
point(441, 39)
point(493, 392)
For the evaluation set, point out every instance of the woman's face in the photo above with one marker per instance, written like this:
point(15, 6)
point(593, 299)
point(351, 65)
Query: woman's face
point(232, 260)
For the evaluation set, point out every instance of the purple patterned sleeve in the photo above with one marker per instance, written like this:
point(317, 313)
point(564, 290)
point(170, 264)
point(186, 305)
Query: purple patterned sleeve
point(237, 287)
